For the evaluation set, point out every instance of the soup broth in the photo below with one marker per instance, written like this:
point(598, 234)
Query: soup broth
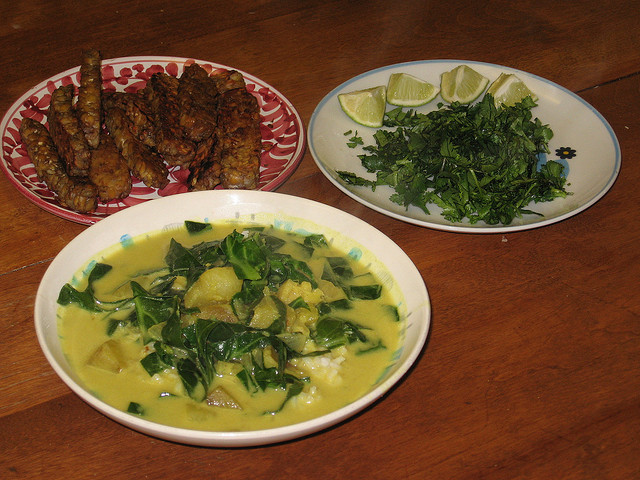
point(227, 327)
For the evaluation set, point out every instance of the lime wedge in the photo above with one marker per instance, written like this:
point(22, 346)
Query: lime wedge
point(462, 84)
point(365, 107)
point(405, 90)
point(508, 90)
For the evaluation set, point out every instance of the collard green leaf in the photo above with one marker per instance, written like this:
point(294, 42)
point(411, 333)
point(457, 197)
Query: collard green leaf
point(365, 292)
point(182, 262)
point(372, 348)
point(393, 312)
point(332, 332)
point(284, 267)
point(209, 254)
point(195, 383)
point(98, 271)
point(270, 243)
point(295, 388)
point(152, 310)
point(337, 271)
point(315, 241)
point(299, 303)
point(245, 301)
point(325, 308)
point(113, 325)
point(163, 284)
point(280, 323)
point(341, 267)
point(245, 255)
point(197, 227)
point(153, 363)
point(135, 408)
point(85, 299)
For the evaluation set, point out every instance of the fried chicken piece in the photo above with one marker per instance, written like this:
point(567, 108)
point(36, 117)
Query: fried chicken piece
point(142, 162)
point(77, 194)
point(88, 106)
point(161, 93)
point(238, 139)
point(66, 133)
point(198, 99)
point(109, 171)
point(137, 110)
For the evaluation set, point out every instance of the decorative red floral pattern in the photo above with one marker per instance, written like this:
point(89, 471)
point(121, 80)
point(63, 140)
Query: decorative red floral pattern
point(283, 136)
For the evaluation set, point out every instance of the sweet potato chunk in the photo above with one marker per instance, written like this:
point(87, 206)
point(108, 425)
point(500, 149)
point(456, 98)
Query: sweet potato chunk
point(216, 285)
point(219, 397)
point(109, 356)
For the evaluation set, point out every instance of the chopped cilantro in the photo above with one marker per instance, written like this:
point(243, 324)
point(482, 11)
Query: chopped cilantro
point(475, 161)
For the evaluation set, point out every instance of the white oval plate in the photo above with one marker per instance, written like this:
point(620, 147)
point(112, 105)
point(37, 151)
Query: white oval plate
point(283, 136)
point(593, 160)
point(286, 212)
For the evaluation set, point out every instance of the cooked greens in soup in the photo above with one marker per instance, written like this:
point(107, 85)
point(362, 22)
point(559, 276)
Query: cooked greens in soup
point(228, 327)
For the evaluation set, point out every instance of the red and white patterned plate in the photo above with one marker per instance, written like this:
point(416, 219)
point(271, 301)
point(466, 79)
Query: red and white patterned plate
point(283, 135)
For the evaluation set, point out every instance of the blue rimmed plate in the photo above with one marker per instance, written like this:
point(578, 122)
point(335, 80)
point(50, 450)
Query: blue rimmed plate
point(583, 142)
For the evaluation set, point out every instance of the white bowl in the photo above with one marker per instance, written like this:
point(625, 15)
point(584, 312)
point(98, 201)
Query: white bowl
point(284, 211)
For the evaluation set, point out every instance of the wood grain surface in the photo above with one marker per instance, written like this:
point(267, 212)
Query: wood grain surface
point(532, 366)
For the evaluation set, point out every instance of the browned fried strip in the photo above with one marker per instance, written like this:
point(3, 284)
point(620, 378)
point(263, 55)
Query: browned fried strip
point(137, 110)
point(228, 80)
point(238, 139)
point(89, 105)
point(77, 194)
point(108, 170)
point(66, 133)
point(198, 99)
point(204, 171)
point(142, 162)
point(206, 168)
point(161, 94)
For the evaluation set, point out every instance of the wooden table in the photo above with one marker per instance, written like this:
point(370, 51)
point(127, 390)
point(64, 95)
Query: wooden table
point(532, 367)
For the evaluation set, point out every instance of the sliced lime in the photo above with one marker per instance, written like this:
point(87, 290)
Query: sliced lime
point(365, 107)
point(462, 84)
point(405, 90)
point(508, 90)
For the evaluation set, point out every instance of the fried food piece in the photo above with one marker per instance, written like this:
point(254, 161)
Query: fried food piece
point(77, 194)
point(238, 139)
point(140, 118)
point(234, 160)
point(88, 106)
point(205, 170)
point(142, 162)
point(109, 171)
point(198, 99)
point(161, 93)
point(66, 133)
point(228, 80)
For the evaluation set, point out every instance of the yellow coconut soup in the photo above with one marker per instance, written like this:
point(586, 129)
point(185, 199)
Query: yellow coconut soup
point(227, 327)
